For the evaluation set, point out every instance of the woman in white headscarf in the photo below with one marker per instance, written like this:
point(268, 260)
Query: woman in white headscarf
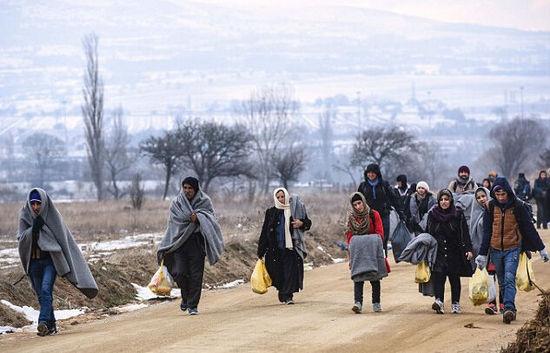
point(281, 243)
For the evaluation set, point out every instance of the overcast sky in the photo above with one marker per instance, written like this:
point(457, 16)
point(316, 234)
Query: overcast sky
point(523, 14)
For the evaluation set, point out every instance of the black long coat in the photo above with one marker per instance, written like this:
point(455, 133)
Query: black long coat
point(453, 242)
point(268, 247)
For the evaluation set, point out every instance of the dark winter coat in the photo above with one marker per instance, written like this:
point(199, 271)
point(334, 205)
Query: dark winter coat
point(530, 239)
point(540, 189)
point(453, 242)
point(268, 246)
point(383, 198)
point(522, 188)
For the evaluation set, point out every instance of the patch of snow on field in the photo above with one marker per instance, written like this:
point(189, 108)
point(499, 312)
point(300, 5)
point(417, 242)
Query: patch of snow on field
point(8, 329)
point(229, 285)
point(32, 314)
point(130, 307)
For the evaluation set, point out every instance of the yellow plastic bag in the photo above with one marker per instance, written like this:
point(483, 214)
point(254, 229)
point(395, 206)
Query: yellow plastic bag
point(423, 273)
point(260, 279)
point(479, 287)
point(162, 282)
point(525, 275)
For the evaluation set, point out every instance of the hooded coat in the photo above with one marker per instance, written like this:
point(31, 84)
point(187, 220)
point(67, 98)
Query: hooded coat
point(56, 239)
point(379, 197)
point(476, 221)
point(530, 239)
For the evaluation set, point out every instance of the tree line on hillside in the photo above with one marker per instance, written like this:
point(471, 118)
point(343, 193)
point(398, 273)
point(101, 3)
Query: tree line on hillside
point(264, 144)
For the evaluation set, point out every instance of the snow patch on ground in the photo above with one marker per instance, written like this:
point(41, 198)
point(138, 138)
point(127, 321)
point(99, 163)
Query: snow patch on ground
point(130, 307)
point(229, 285)
point(8, 329)
point(32, 314)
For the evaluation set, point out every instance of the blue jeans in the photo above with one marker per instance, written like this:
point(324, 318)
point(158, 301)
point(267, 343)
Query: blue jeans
point(506, 263)
point(42, 273)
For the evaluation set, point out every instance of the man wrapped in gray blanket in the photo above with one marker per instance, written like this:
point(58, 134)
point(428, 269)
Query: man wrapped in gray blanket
point(192, 233)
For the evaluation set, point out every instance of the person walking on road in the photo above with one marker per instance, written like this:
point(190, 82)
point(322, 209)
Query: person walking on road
point(479, 209)
point(507, 231)
point(366, 253)
point(541, 193)
point(421, 202)
point(380, 197)
point(447, 224)
point(522, 188)
point(47, 249)
point(282, 244)
point(192, 233)
point(463, 182)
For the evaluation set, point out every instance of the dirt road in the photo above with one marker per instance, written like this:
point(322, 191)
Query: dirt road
point(236, 320)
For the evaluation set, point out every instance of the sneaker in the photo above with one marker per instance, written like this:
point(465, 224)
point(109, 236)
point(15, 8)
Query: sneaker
point(193, 311)
point(357, 308)
point(183, 306)
point(289, 302)
point(52, 329)
point(437, 306)
point(491, 309)
point(508, 316)
point(42, 329)
point(455, 308)
point(376, 307)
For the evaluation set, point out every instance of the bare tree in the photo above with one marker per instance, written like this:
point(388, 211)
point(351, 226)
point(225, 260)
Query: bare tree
point(514, 142)
point(213, 150)
point(117, 158)
point(289, 165)
point(137, 192)
point(166, 151)
point(92, 112)
point(383, 145)
point(267, 116)
point(545, 159)
point(43, 151)
point(432, 163)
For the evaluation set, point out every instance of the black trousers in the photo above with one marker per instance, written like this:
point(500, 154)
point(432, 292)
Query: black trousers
point(541, 215)
point(292, 274)
point(439, 279)
point(188, 269)
point(358, 291)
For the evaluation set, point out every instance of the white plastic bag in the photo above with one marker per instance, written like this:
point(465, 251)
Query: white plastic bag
point(162, 282)
point(492, 287)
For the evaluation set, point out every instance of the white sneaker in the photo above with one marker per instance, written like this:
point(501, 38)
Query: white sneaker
point(376, 307)
point(455, 308)
point(437, 306)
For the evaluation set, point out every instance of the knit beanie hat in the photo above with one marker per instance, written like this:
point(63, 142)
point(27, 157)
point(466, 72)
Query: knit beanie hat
point(35, 196)
point(465, 169)
point(422, 184)
point(191, 181)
